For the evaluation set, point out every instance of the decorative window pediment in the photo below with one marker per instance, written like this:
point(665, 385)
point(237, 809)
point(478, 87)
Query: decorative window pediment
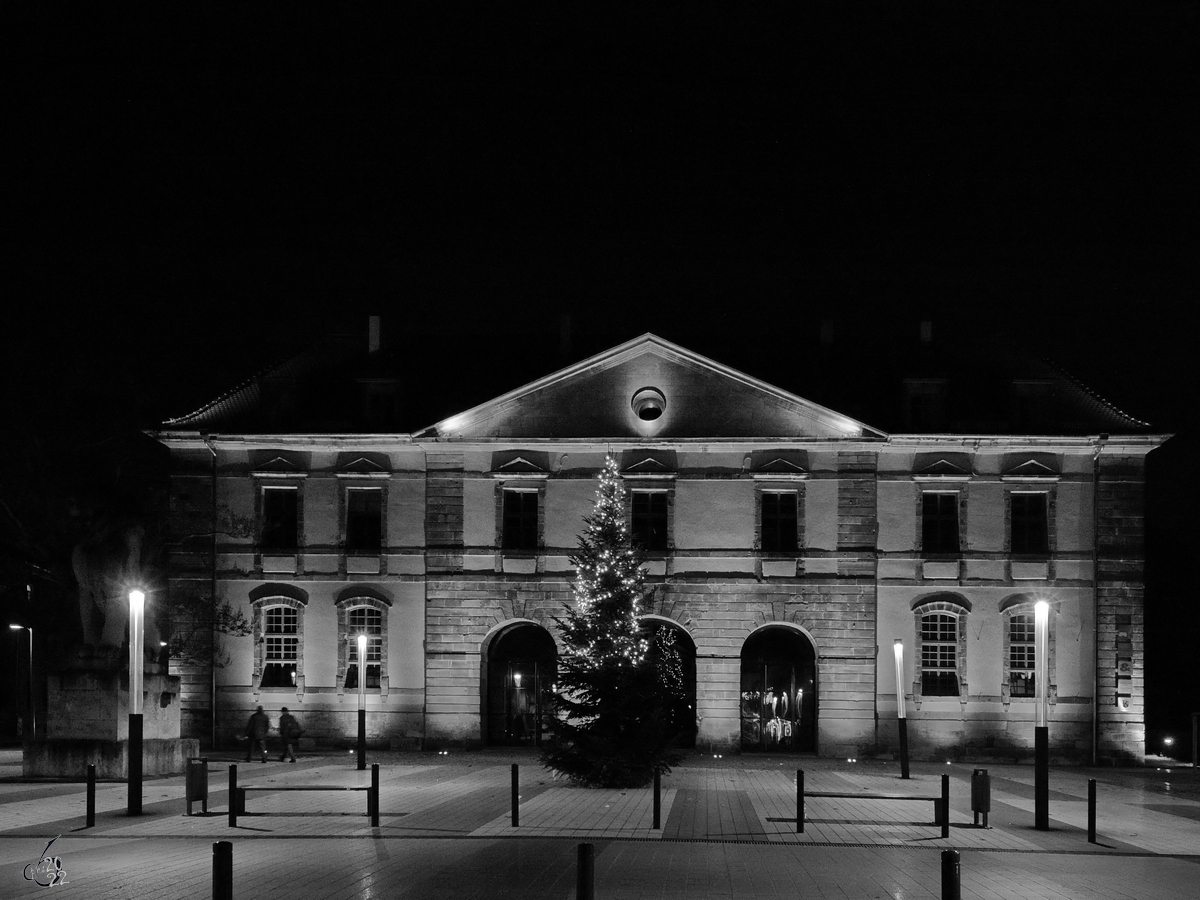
point(942, 467)
point(362, 467)
point(1030, 468)
point(648, 467)
point(519, 467)
point(278, 467)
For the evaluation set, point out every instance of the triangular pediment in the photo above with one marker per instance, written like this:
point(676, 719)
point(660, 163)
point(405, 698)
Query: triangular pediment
point(649, 388)
point(361, 465)
point(944, 465)
point(277, 465)
point(648, 465)
point(780, 466)
point(1032, 468)
point(519, 466)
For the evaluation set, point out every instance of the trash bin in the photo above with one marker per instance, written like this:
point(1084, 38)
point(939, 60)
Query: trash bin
point(196, 783)
point(981, 794)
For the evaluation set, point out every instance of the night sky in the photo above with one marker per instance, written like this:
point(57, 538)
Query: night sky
point(188, 195)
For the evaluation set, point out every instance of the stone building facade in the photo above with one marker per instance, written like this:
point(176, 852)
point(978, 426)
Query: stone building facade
point(789, 548)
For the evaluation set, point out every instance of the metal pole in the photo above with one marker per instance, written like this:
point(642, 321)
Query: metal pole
point(362, 739)
point(134, 804)
point(233, 794)
point(945, 806)
point(373, 797)
point(799, 801)
point(222, 871)
point(32, 697)
point(585, 870)
point(951, 875)
point(91, 796)
point(657, 799)
point(901, 710)
point(362, 702)
point(516, 809)
point(136, 642)
point(1091, 810)
point(1041, 732)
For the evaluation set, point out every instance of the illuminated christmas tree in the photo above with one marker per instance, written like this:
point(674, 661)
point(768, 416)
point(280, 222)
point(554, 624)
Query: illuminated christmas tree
point(611, 727)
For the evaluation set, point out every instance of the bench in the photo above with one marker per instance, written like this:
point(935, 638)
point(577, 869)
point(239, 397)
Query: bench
point(237, 805)
point(941, 803)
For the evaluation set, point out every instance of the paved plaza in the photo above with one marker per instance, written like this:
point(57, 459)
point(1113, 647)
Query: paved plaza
point(727, 830)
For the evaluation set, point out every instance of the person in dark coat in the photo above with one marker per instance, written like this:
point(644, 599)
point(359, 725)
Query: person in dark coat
point(289, 731)
point(256, 732)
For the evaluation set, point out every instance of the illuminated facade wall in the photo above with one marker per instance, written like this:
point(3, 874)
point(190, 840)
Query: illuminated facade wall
point(815, 547)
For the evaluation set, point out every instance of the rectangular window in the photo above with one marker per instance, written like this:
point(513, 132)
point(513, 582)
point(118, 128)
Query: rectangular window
point(520, 521)
point(939, 655)
point(649, 514)
point(1021, 656)
point(939, 523)
point(1030, 525)
point(779, 521)
point(364, 620)
point(281, 639)
point(279, 519)
point(364, 520)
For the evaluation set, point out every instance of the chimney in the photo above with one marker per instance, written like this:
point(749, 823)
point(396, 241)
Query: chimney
point(926, 331)
point(373, 334)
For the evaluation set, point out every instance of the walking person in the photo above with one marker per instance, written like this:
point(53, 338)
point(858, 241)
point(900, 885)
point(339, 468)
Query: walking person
point(289, 732)
point(256, 732)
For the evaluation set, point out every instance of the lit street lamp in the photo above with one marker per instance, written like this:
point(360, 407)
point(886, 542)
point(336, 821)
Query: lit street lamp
point(1041, 733)
point(362, 701)
point(901, 711)
point(32, 705)
point(137, 601)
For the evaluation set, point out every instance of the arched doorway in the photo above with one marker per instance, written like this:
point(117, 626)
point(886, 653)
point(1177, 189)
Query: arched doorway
point(673, 649)
point(779, 691)
point(521, 667)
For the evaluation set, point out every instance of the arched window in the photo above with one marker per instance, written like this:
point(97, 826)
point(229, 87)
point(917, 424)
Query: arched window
point(364, 620)
point(1018, 679)
point(941, 629)
point(277, 625)
point(360, 612)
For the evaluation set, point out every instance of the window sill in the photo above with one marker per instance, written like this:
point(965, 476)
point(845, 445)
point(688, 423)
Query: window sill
point(519, 565)
point(279, 561)
point(1030, 570)
point(779, 568)
point(940, 568)
point(362, 564)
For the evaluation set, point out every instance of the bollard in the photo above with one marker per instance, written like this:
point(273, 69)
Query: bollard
point(233, 792)
point(91, 797)
point(516, 809)
point(799, 801)
point(951, 873)
point(1091, 810)
point(222, 871)
point(585, 867)
point(945, 806)
point(373, 796)
point(981, 795)
point(657, 799)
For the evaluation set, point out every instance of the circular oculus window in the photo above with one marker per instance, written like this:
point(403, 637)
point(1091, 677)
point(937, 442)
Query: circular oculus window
point(649, 404)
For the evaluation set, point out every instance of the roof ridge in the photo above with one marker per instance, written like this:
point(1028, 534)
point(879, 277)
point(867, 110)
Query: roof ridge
point(282, 359)
point(1094, 395)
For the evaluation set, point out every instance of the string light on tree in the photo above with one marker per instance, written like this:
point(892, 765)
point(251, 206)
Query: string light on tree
point(611, 729)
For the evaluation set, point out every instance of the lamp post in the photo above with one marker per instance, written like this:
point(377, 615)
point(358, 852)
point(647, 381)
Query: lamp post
point(32, 709)
point(137, 602)
point(1041, 735)
point(362, 701)
point(901, 711)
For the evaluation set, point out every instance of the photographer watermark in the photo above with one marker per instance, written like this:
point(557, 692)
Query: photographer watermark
point(48, 870)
